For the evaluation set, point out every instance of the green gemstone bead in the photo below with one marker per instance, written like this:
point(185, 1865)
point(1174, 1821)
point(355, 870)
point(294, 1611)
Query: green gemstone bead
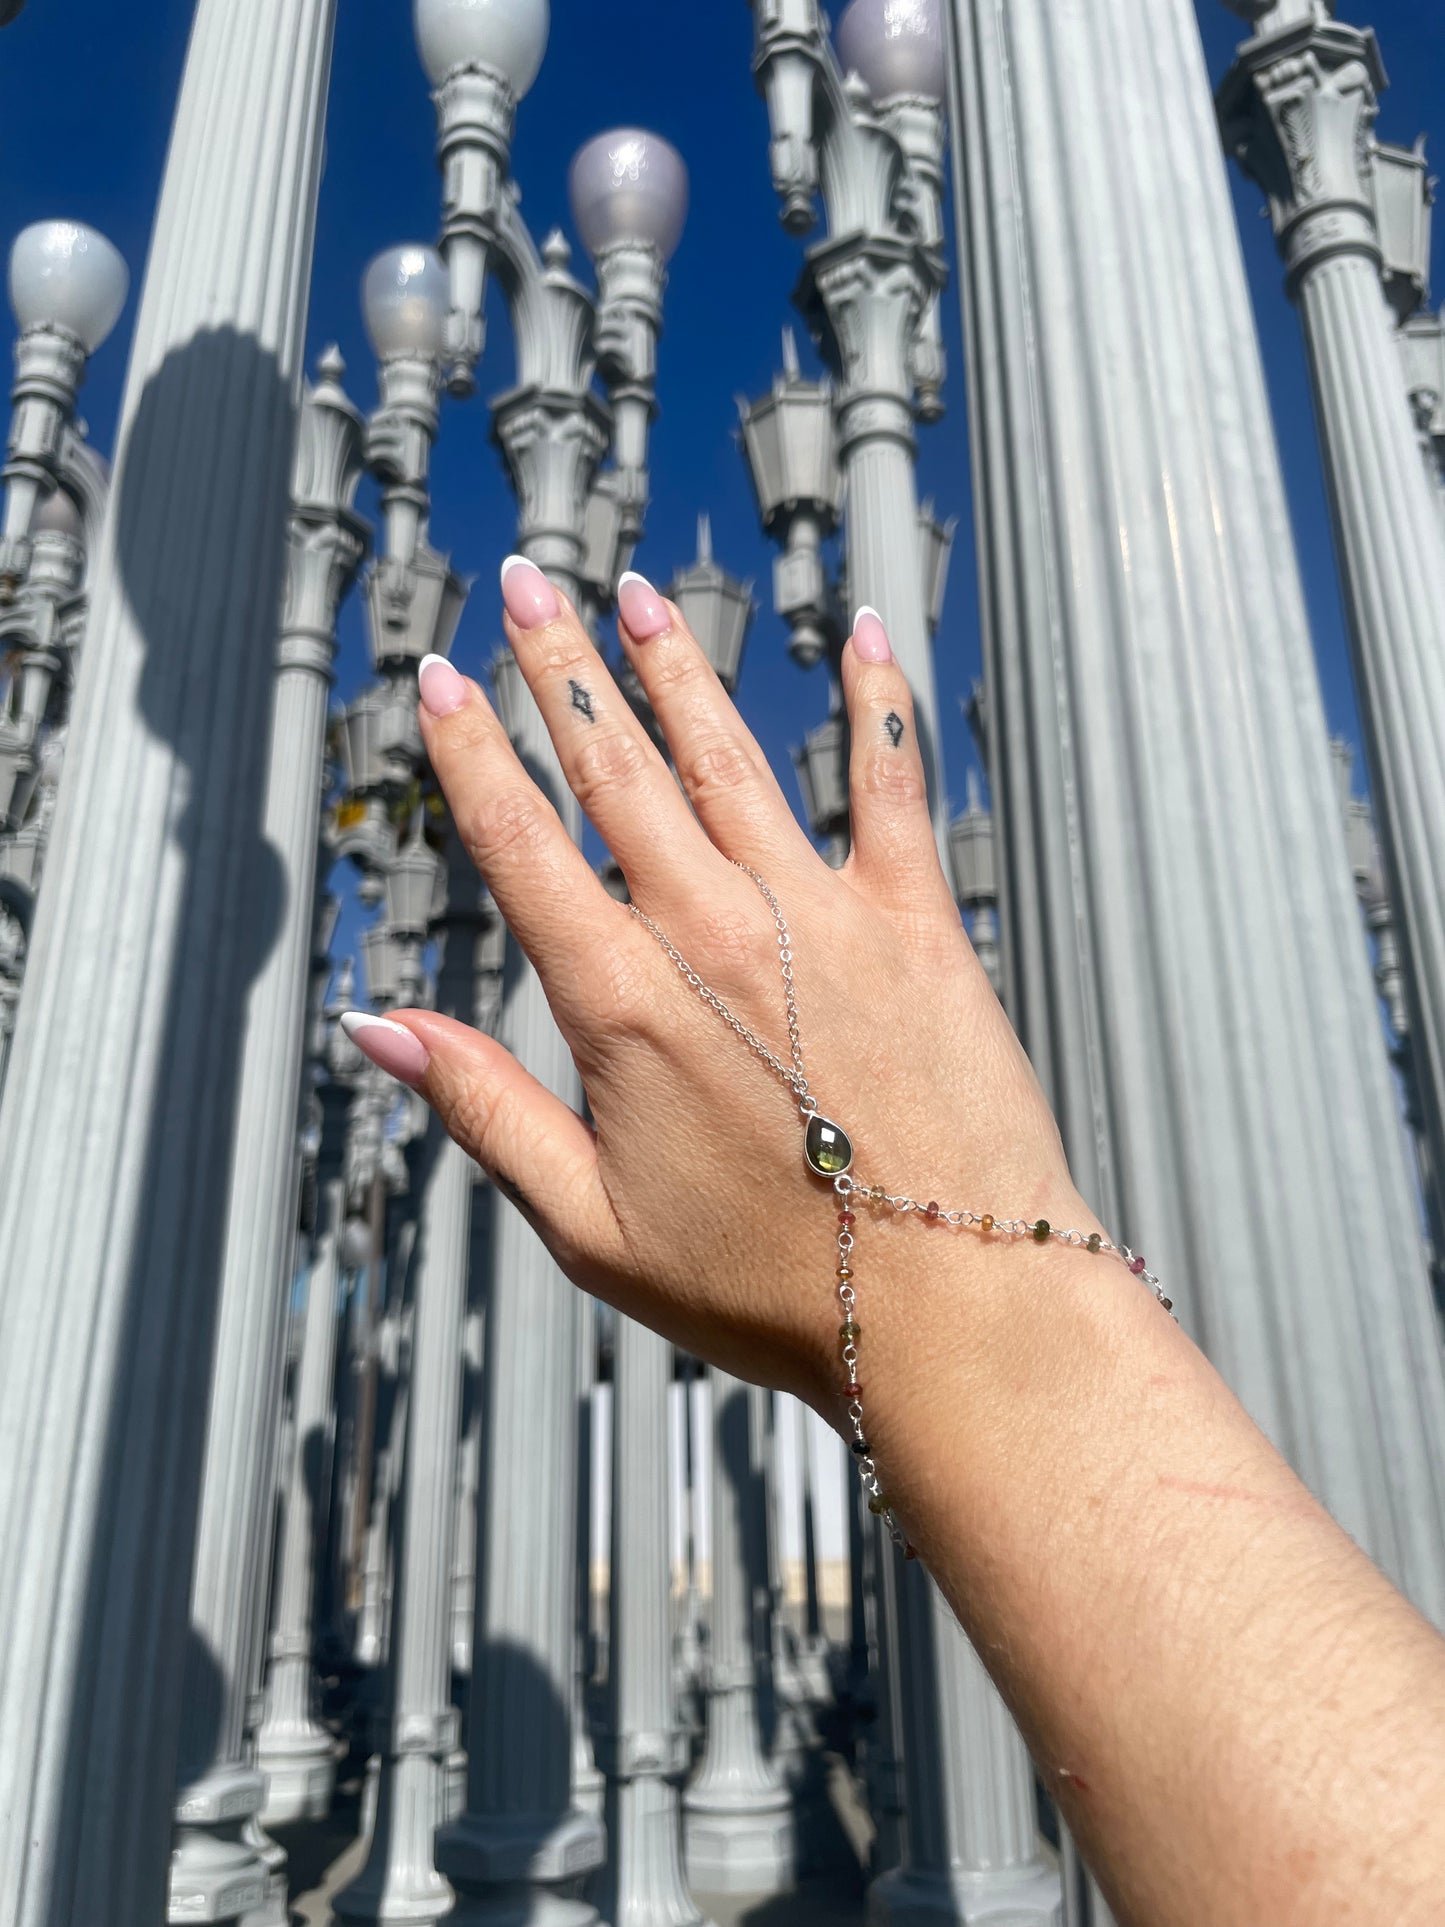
point(827, 1147)
point(850, 1333)
point(1094, 1241)
point(1041, 1231)
point(878, 1506)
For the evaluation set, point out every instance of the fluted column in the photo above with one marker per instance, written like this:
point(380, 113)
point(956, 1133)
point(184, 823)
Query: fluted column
point(219, 1786)
point(738, 1813)
point(400, 1881)
point(1180, 932)
point(645, 1753)
point(294, 1750)
point(972, 1848)
point(115, 1136)
point(1298, 109)
point(522, 1842)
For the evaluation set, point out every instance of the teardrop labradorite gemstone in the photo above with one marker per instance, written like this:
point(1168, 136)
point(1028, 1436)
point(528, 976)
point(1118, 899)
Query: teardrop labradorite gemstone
point(827, 1147)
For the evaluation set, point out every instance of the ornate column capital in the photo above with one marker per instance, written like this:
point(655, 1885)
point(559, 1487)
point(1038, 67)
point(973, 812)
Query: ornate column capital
point(864, 296)
point(552, 441)
point(1297, 110)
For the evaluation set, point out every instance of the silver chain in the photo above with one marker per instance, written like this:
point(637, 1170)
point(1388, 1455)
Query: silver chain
point(796, 1078)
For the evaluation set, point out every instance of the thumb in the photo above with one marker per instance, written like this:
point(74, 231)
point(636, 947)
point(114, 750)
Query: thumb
point(536, 1150)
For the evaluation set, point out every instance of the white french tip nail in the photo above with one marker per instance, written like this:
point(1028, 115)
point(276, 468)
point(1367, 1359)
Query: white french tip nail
point(354, 1020)
point(866, 609)
point(631, 575)
point(516, 562)
point(426, 663)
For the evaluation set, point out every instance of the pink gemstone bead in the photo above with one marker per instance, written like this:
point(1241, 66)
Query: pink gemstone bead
point(1137, 1266)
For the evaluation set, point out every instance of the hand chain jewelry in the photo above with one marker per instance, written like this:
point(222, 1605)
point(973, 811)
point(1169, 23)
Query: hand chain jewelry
point(828, 1150)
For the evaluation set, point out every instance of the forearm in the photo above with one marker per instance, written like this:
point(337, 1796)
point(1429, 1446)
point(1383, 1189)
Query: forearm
point(1216, 1683)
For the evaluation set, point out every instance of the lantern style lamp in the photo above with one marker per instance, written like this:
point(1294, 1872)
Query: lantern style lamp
point(68, 286)
point(482, 57)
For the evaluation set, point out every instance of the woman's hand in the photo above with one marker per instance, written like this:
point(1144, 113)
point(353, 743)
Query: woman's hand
point(687, 1203)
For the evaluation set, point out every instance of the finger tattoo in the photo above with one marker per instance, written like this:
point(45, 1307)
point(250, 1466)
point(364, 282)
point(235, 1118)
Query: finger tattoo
point(514, 1194)
point(582, 700)
point(893, 723)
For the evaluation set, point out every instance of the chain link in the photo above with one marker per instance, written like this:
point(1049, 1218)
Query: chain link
point(796, 1078)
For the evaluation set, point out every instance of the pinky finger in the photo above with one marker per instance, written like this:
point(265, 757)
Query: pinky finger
point(536, 1150)
point(895, 851)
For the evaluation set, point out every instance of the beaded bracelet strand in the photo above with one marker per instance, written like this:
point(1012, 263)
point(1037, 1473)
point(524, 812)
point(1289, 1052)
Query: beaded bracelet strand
point(828, 1151)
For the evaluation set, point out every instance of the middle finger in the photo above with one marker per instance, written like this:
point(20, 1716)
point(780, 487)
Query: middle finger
point(611, 765)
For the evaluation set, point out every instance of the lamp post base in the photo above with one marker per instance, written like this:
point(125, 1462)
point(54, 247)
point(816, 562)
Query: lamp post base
point(1032, 1898)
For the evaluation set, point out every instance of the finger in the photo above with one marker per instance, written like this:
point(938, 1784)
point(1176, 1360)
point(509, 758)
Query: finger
point(611, 765)
point(718, 763)
point(894, 850)
point(544, 887)
point(538, 1153)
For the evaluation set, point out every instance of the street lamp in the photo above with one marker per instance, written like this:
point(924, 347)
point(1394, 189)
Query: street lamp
point(481, 57)
point(68, 286)
point(896, 46)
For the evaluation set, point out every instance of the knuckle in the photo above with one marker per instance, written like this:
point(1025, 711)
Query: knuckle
point(678, 667)
point(508, 824)
point(734, 942)
point(894, 780)
point(716, 767)
point(603, 761)
point(556, 654)
point(615, 986)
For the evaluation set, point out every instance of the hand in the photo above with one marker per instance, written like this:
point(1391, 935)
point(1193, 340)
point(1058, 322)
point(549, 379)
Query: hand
point(687, 1203)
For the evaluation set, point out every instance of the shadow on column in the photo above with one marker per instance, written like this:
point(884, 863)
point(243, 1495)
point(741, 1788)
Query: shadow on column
point(207, 461)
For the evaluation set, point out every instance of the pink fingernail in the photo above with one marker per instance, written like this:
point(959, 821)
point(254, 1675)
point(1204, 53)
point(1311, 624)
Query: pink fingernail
point(391, 1047)
point(530, 598)
point(870, 638)
point(642, 609)
point(441, 689)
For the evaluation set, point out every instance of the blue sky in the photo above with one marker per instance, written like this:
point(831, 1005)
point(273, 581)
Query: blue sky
point(86, 92)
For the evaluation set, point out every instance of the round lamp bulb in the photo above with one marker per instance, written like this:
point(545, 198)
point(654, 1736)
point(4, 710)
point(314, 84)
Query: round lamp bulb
point(405, 298)
point(509, 36)
point(896, 46)
point(629, 186)
point(58, 514)
point(65, 275)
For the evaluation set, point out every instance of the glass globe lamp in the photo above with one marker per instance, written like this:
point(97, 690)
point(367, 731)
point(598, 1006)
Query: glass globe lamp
point(58, 514)
point(896, 46)
point(404, 301)
point(509, 36)
point(629, 185)
point(65, 275)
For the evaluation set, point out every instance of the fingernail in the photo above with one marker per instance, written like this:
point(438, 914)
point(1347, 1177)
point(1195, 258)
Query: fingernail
point(870, 638)
point(530, 598)
point(441, 689)
point(391, 1047)
point(641, 608)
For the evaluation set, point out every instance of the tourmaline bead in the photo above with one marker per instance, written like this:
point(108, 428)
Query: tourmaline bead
point(845, 1270)
point(1094, 1241)
point(860, 1448)
point(853, 1390)
point(931, 1213)
point(1167, 1303)
point(1041, 1231)
point(1137, 1266)
point(846, 1217)
point(850, 1333)
point(910, 1552)
point(878, 1505)
point(985, 1223)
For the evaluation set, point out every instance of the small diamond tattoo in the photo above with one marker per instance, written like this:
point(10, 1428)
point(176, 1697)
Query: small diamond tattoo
point(582, 701)
point(894, 725)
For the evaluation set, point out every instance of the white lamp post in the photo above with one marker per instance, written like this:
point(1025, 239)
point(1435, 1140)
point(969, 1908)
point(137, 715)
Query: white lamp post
point(481, 57)
point(873, 142)
point(68, 286)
